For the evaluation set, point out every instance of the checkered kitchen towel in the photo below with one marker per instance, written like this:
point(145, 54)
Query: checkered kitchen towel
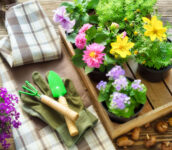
point(35, 135)
point(31, 36)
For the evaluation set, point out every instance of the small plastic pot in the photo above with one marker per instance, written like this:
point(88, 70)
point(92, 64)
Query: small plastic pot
point(117, 119)
point(153, 75)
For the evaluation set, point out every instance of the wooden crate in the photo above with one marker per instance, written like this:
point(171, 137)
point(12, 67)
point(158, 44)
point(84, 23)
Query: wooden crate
point(147, 114)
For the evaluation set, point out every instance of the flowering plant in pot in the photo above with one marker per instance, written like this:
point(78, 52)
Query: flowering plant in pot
point(98, 30)
point(122, 97)
point(100, 49)
point(9, 117)
point(153, 51)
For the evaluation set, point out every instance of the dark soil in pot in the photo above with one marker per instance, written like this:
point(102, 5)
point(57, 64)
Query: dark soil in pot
point(117, 119)
point(97, 76)
point(153, 75)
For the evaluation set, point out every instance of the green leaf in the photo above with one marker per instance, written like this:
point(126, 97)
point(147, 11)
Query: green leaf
point(85, 18)
point(101, 38)
point(88, 69)
point(90, 33)
point(71, 37)
point(78, 51)
point(102, 97)
point(68, 4)
point(140, 96)
point(92, 4)
point(102, 68)
point(77, 60)
point(93, 19)
point(109, 59)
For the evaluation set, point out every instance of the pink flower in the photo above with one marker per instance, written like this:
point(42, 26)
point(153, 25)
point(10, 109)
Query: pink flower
point(124, 34)
point(93, 55)
point(80, 40)
point(85, 27)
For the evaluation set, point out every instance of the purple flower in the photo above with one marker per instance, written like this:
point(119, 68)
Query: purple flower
point(101, 85)
point(8, 116)
point(60, 16)
point(116, 72)
point(137, 85)
point(119, 100)
point(120, 83)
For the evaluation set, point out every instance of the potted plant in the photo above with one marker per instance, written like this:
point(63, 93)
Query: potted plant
point(107, 24)
point(9, 117)
point(153, 51)
point(99, 49)
point(122, 97)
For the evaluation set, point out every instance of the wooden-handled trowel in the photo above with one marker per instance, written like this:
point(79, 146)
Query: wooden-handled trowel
point(58, 90)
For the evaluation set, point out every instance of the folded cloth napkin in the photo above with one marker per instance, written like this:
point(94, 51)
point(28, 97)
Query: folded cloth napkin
point(31, 36)
point(34, 107)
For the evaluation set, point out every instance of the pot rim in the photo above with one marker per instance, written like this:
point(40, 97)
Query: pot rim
point(110, 114)
point(154, 70)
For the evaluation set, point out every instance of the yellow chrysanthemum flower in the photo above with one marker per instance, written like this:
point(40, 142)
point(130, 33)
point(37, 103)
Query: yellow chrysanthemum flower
point(121, 47)
point(154, 28)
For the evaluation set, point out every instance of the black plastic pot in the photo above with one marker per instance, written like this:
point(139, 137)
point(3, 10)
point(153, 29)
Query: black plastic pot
point(117, 119)
point(97, 76)
point(151, 74)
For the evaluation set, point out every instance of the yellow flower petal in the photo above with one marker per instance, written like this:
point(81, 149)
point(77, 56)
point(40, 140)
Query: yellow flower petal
point(119, 39)
point(125, 40)
point(121, 47)
point(146, 20)
point(154, 29)
point(153, 37)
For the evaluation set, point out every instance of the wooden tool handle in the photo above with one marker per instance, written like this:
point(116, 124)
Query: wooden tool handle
point(70, 124)
point(59, 107)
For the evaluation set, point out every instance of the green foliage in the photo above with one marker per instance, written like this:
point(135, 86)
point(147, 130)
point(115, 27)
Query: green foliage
point(79, 9)
point(77, 58)
point(109, 11)
point(71, 37)
point(88, 69)
point(137, 97)
point(91, 33)
point(154, 54)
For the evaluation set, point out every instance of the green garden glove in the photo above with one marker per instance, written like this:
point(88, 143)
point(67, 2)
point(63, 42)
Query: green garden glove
point(34, 107)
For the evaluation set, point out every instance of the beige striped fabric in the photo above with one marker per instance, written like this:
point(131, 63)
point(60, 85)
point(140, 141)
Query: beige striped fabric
point(31, 36)
point(34, 134)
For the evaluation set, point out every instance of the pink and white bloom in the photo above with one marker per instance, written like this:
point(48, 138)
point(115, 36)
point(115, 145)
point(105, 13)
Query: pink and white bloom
point(85, 27)
point(61, 17)
point(80, 40)
point(93, 55)
point(124, 34)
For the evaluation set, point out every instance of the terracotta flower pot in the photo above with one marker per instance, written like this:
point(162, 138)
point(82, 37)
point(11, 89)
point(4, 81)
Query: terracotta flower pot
point(153, 75)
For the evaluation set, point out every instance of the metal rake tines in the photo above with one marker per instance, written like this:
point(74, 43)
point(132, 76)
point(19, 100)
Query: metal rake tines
point(32, 91)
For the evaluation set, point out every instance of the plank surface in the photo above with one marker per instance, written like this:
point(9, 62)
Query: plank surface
point(158, 93)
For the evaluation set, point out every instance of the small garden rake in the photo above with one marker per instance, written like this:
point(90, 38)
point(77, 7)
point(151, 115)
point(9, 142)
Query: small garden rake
point(32, 91)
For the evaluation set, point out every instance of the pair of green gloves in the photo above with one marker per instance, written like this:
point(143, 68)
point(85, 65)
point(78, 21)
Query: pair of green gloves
point(34, 107)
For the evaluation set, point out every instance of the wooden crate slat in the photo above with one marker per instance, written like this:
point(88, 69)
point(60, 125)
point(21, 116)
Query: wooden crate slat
point(157, 92)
